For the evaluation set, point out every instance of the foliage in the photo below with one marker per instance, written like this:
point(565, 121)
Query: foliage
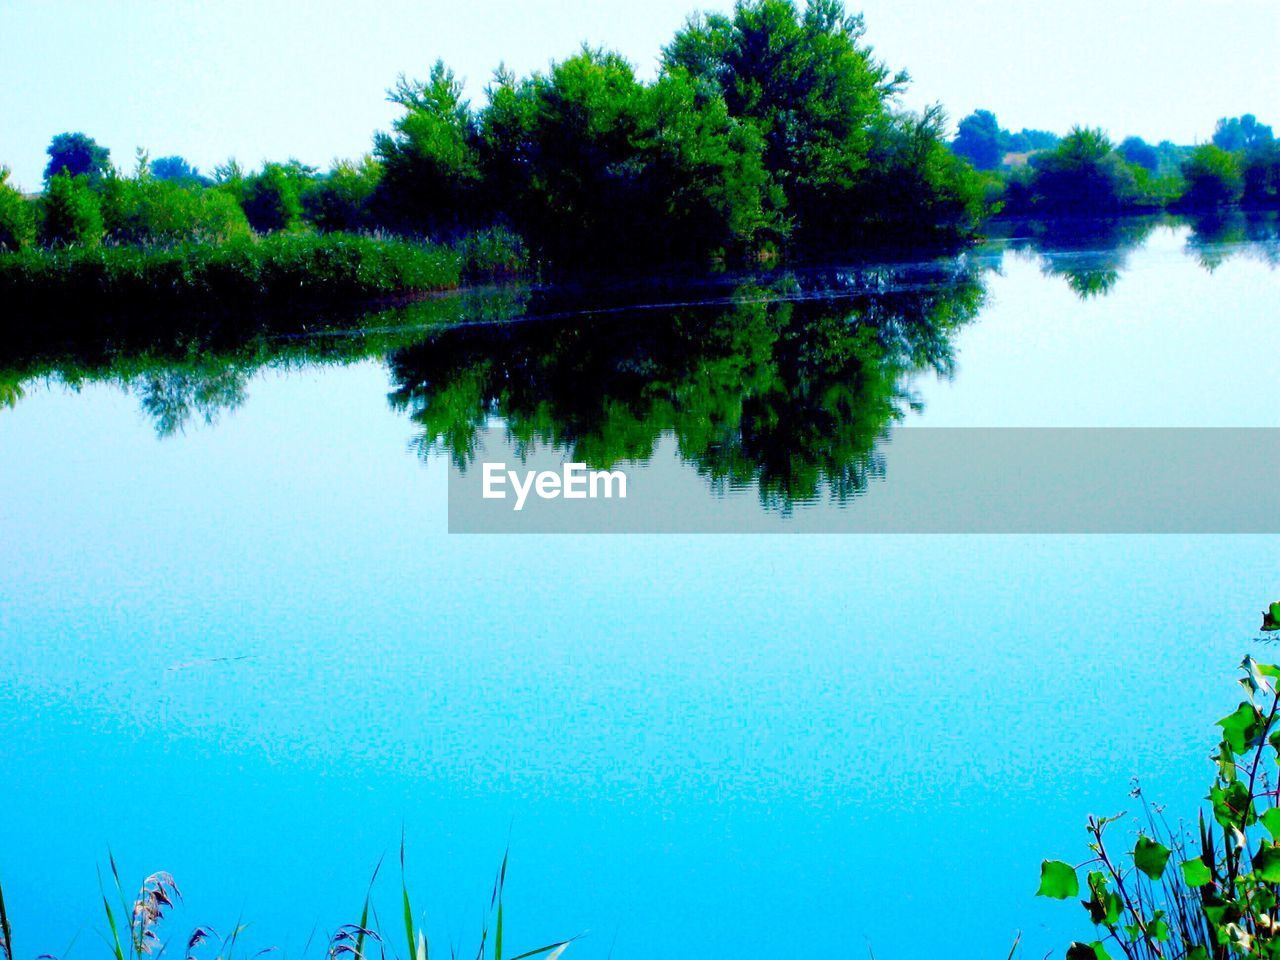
point(272, 198)
point(1214, 177)
point(284, 266)
point(70, 213)
point(1236, 134)
point(978, 140)
point(1083, 173)
point(1138, 152)
point(431, 171)
point(148, 210)
point(77, 155)
point(17, 218)
point(343, 198)
point(1262, 175)
point(1211, 894)
point(176, 169)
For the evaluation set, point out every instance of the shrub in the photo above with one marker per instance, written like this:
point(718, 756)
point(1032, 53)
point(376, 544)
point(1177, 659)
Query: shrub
point(1214, 177)
point(17, 222)
point(70, 213)
point(272, 199)
point(152, 211)
point(343, 198)
point(1084, 174)
point(1212, 895)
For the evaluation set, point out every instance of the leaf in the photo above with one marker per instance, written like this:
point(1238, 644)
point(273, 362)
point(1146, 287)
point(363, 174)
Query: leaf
point(1266, 863)
point(1271, 820)
point(1150, 857)
point(1271, 618)
point(1232, 805)
point(1243, 728)
point(1196, 874)
point(1058, 880)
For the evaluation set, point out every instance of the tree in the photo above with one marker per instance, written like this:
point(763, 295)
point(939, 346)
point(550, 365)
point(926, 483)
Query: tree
point(70, 213)
point(1214, 177)
point(77, 155)
point(17, 222)
point(1241, 133)
point(177, 170)
point(272, 199)
point(1084, 174)
point(978, 140)
point(431, 170)
point(1137, 151)
point(343, 198)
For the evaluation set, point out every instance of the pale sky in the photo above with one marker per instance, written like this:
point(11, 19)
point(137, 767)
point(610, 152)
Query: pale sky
point(265, 79)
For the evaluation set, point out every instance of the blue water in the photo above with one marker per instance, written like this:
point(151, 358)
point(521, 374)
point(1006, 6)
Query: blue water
point(697, 746)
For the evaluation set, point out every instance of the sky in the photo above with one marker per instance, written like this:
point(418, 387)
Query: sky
point(259, 80)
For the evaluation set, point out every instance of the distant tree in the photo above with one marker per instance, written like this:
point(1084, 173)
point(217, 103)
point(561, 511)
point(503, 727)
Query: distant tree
point(70, 214)
point(1137, 151)
point(978, 139)
point(17, 221)
point(1039, 139)
point(1241, 133)
point(1214, 177)
point(177, 170)
point(77, 155)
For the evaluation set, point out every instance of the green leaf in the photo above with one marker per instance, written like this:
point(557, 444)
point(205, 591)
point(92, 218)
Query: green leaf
point(1232, 805)
point(1198, 953)
point(1271, 618)
point(1196, 874)
point(1242, 728)
point(1057, 880)
point(1266, 863)
point(1271, 820)
point(1150, 857)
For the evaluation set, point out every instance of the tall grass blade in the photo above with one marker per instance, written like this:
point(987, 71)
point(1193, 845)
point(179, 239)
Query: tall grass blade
point(114, 942)
point(410, 939)
point(6, 932)
point(364, 914)
point(555, 948)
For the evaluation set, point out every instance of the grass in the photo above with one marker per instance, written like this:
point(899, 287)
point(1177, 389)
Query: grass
point(280, 267)
point(134, 928)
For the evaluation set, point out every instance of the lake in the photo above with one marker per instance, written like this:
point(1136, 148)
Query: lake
point(237, 642)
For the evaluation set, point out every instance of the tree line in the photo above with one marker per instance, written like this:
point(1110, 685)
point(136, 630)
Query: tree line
point(767, 129)
point(1086, 171)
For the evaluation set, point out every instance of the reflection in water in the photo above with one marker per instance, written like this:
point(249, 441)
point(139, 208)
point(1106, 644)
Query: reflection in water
point(783, 382)
point(787, 386)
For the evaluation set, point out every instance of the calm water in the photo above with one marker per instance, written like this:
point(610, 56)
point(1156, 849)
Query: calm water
point(236, 642)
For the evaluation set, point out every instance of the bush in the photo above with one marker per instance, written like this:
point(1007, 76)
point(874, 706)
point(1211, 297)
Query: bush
point(17, 222)
point(1084, 174)
point(1214, 177)
point(272, 199)
point(1212, 895)
point(70, 213)
point(343, 198)
point(147, 210)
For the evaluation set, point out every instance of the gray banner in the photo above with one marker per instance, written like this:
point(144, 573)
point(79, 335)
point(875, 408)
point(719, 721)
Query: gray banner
point(916, 480)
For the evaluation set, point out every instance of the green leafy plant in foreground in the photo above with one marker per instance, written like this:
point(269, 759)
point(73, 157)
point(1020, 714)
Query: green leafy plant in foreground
point(1212, 893)
point(133, 928)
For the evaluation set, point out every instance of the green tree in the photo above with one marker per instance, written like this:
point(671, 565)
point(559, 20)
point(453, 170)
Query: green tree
point(1214, 177)
point(343, 199)
point(17, 221)
point(176, 169)
point(70, 213)
point(978, 140)
point(272, 199)
point(431, 171)
point(78, 155)
point(1084, 174)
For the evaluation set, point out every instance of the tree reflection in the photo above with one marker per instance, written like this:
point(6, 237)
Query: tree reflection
point(787, 387)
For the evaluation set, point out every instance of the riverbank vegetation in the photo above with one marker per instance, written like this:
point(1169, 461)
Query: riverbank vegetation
point(1208, 892)
point(770, 131)
point(136, 928)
